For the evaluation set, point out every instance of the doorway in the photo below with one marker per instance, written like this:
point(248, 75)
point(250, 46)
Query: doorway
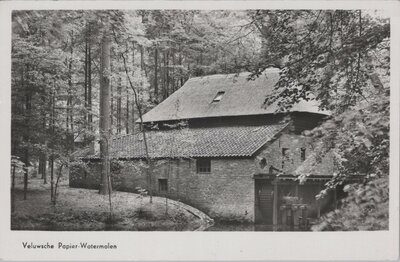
point(264, 201)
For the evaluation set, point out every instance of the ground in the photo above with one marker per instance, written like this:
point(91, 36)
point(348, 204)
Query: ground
point(84, 209)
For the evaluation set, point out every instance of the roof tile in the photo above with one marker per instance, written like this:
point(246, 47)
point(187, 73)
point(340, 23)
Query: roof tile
point(237, 141)
point(241, 97)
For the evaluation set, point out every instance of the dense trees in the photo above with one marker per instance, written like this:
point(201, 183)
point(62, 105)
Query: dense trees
point(68, 66)
point(341, 57)
point(57, 71)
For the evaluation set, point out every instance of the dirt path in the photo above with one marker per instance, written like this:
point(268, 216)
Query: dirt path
point(84, 209)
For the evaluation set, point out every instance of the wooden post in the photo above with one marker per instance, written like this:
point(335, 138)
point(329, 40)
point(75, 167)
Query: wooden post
point(275, 204)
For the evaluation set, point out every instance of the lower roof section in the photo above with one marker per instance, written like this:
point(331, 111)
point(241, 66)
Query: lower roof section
point(233, 141)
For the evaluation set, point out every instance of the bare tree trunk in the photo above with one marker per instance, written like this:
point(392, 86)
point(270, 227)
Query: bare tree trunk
point(42, 166)
point(42, 155)
point(44, 174)
point(148, 159)
point(133, 100)
point(52, 178)
point(86, 80)
point(26, 137)
point(53, 122)
point(112, 104)
point(163, 75)
point(173, 85)
point(13, 189)
point(127, 108)
point(142, 65)
point(56, 184)
point(181, 64)
point(119, 106)
point(26, 174)
point(70, 125)
point(127, 122)
point(105, 96)
point(156, 74)
point(167, 82)
point(89, 85)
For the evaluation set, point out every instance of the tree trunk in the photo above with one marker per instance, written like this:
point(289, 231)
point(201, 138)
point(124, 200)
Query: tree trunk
point(13, 189)
point(163, 75)
point(42, 166)
point(127, 122)
point(52, 178)
point(86, 81)
point(111, 99)
point(133, 102)
point(166, 66)
point(26, 175)
point(180, 70)
point(105, 96)
point(42, 155)
point(44, 169)
point(89, 85)
point(173, 85)
point(26, 136)
point(56, 184)
point(156, 74)
point(26, 162)
point(119, 106)
point(133, 117)
point(70, 106)
point(142, 65)
point(53, 123)
point(149, 169)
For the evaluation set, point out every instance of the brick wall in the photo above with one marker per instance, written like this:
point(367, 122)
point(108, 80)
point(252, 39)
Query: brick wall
point(273, 155)
point(227, 192)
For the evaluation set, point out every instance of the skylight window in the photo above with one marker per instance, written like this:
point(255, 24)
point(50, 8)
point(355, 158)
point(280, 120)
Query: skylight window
point(218, 97)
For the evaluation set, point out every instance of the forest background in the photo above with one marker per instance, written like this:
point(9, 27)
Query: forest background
point(340, 56)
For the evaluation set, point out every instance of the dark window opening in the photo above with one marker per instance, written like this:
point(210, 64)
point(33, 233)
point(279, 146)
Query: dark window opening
point(303, 154)
point(263, 162)
point(285, 155)
point(163, 185)
point(218, 97)
point(203, 165)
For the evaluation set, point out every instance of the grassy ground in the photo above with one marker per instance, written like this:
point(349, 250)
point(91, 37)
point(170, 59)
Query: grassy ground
point(83, 209)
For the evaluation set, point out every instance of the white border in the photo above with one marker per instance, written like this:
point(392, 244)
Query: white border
point(380, 245)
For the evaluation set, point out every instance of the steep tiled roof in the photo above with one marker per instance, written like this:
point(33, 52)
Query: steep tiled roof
point(238, 141)
point(241, 97)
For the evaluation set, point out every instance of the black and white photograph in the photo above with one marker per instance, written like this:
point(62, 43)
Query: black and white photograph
point(199, 120)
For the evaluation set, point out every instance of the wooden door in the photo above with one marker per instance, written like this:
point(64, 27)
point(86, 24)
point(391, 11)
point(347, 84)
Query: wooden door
point(264, 201)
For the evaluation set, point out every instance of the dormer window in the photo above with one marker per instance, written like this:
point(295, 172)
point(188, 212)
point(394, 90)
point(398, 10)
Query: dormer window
point(218, 97)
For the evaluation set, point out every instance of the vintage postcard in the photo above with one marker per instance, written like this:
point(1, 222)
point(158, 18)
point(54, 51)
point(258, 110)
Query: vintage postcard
point(200, 130)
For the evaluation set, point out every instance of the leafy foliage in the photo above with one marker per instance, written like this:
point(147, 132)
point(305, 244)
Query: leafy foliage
point(365, 208)
point(326, 54)
point(340, 58)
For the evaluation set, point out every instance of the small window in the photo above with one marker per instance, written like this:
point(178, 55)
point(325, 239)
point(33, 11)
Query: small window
point(218, 97)
point(303, 154)
point(203, 165)
point(285, 152)
point(285, 156)
point(263, 163)
point(163, 185)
